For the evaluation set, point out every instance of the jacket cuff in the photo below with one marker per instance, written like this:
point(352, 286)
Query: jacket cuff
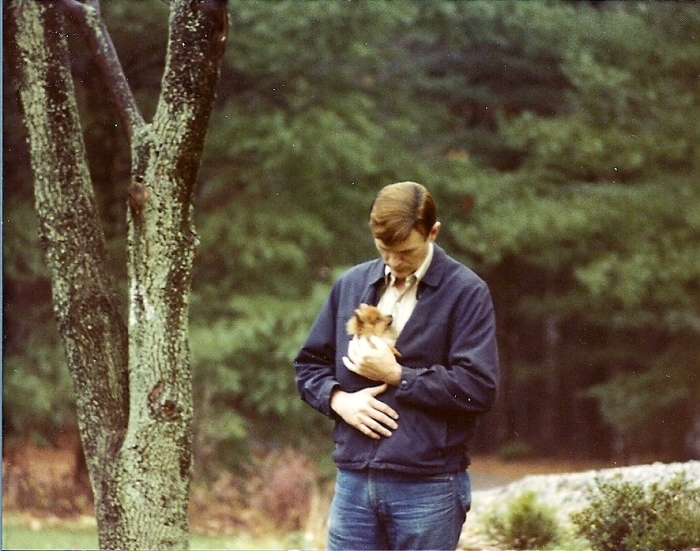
point(408, 377)
point(328, 388)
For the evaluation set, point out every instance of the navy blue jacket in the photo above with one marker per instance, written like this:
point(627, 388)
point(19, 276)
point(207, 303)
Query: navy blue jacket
point(448, 350)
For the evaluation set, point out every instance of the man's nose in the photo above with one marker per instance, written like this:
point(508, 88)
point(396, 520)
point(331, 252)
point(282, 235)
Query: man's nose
point(394, 259)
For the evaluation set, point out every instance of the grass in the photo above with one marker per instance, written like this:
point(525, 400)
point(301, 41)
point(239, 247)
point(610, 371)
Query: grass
point(19, 532)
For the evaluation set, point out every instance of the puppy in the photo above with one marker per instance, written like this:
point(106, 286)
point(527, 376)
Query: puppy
point(368, 320)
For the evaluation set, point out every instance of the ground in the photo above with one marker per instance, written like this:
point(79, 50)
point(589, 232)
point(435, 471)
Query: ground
point(490, 471)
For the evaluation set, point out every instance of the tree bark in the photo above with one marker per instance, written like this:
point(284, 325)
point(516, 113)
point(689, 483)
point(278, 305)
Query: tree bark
point(132, 379)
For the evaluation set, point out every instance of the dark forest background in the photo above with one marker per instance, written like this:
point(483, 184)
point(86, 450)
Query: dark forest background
point(560, 139)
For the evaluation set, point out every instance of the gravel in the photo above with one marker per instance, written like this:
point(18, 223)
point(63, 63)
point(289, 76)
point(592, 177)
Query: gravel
point(565, 493)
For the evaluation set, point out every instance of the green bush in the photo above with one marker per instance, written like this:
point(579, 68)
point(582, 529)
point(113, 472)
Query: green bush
point(524, 524)
point(626, 516)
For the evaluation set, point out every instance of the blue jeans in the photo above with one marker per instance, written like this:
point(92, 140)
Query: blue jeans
point(384, 510)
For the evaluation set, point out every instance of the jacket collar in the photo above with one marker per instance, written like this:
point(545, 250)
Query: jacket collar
point(437, 267)
point(432, 277)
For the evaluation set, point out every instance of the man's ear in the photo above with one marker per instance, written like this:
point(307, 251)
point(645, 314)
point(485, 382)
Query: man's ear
point(434, 231)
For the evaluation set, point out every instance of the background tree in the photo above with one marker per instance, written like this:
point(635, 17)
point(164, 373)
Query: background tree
point(132, 379)
point(602, 229)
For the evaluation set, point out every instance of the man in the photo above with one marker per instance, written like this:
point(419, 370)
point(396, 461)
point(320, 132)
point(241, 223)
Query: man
point(403, 425)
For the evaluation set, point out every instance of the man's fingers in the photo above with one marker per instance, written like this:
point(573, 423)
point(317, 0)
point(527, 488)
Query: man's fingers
point(385, 420)
point(374, 428)
point(385, 414)
point(380, 406)
point(363, 411)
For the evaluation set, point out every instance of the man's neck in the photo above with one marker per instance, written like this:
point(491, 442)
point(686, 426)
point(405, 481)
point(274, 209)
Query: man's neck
point(400, 284)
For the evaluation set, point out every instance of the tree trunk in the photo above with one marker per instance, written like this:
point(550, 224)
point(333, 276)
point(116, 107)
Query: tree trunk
point(132, 383)
point(84, 299)
point(161, 246)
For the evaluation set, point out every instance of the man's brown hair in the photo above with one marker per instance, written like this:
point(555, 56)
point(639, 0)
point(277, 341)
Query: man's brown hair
point(398, 209)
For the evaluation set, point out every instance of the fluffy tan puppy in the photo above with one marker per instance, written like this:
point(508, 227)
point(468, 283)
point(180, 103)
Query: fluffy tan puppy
point(367, 321)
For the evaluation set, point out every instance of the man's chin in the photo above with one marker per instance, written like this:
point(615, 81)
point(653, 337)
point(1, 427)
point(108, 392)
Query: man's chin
point(401, 275)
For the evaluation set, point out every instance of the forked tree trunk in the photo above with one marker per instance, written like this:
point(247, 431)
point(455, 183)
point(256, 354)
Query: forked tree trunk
point(132, 379)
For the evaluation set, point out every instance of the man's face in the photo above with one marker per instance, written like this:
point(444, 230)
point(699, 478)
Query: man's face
point(405, 257)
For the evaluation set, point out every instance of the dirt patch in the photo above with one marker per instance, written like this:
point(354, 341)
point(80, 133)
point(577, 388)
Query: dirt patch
point(44, 480)
point(514, 470)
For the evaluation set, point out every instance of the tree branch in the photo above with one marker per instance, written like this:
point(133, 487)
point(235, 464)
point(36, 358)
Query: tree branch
point(196, 47)
point(89, 18)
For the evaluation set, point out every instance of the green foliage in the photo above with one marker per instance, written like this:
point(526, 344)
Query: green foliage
point(595, 227)
point(245, 380)
point(627, 516)
point(525, 523)
point(37, 390)
point(640, 405)
point(21, 256)
point(240, 245)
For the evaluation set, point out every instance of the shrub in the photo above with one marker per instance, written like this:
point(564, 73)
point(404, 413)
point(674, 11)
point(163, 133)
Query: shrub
point(627, 516)
point(524, 524)
point(282, 488)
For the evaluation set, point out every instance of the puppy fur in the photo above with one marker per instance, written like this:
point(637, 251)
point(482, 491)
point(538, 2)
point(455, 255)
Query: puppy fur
point(368, 320)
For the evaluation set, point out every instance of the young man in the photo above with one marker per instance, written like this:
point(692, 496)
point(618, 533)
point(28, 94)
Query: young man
point(403, 425)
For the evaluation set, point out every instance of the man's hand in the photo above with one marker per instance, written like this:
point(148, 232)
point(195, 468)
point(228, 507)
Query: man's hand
point(363, 411)
point(374, 359)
